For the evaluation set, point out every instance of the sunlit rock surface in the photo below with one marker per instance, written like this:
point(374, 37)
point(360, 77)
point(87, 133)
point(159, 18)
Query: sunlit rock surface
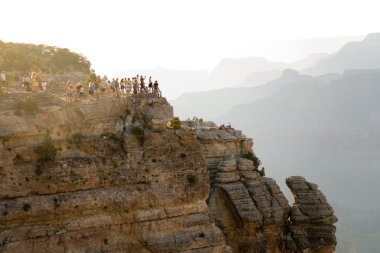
point(123, 182)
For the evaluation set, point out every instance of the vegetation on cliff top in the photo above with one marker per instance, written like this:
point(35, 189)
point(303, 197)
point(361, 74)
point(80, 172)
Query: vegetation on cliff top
point(175, 123)
point(47, 59)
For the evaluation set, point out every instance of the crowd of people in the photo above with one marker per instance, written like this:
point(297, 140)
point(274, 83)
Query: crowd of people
point(124, 87)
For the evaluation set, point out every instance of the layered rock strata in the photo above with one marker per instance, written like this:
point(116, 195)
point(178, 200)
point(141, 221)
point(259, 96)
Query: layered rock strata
point(126, 185)
point(123, 182)
point(311, 217)
point(251, 210)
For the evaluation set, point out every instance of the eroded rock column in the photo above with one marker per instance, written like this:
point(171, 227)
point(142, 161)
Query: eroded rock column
point(311, 217)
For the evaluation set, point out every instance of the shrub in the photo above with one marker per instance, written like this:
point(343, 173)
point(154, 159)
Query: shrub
point(77, 138)
point(255, 159)
point(192, 179)
point(196, 119)
point(139, 133)
point(175, 123)
point(26, 207)
point(46, 151)
point(5, 211)
point(56, 203)
point(110, 135)
point(38, 170)
point(115, 164)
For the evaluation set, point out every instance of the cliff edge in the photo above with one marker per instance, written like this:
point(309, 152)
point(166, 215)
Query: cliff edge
point(107, 175)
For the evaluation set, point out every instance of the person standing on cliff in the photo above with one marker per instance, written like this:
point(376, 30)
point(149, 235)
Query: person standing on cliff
point(135, 85)
point(96, 89)
point(157, 91)
point(150, 85)
point(128, 86)
point(67, 90)
point(117, 85)
point(71, 92)
point(91, 88)
point(137, 78)
point(80, 88)
point(142, 84)
point(75, 91)
point(104, 86)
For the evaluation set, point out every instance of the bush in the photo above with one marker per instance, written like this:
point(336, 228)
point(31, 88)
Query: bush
point(255, 159)
point(192, 179)
point(110, 135)
point(196, 119)
point(175, 123)
point(139, 133)
point(77, 138)
point(26, 207)
point(46, 151)
point(136, 130)
point(29, 106)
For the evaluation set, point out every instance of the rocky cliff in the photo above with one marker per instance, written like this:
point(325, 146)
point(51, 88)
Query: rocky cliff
point(107, 175)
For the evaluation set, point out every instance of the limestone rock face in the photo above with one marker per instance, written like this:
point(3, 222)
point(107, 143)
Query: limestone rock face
point(311, 217)
point(109, 190)
point(123, 182)
point(251, 210)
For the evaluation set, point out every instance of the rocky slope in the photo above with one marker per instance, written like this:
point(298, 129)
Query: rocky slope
point(251, 210)
point(123, 182)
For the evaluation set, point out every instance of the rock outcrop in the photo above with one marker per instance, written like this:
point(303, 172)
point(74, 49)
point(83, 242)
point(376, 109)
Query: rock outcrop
point(250, 209)
point(311, 217)
point(123, 182)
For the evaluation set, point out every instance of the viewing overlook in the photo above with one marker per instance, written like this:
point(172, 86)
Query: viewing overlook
point(189, 127)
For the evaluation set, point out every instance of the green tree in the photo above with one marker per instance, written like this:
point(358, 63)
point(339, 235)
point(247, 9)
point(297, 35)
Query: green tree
point(175, 123)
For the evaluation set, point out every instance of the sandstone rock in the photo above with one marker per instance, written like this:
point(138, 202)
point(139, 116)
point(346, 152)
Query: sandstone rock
point(122, 182)
point(268, 205)
point(248, 174)
point(245, 164)
point(227, 177)
point(252, 211)
point(109, 191)
point(227, 165)
point(275, 191)
point(311, 216)
point(237, 194)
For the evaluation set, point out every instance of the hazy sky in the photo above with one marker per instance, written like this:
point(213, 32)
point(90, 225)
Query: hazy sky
point(182, 34)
